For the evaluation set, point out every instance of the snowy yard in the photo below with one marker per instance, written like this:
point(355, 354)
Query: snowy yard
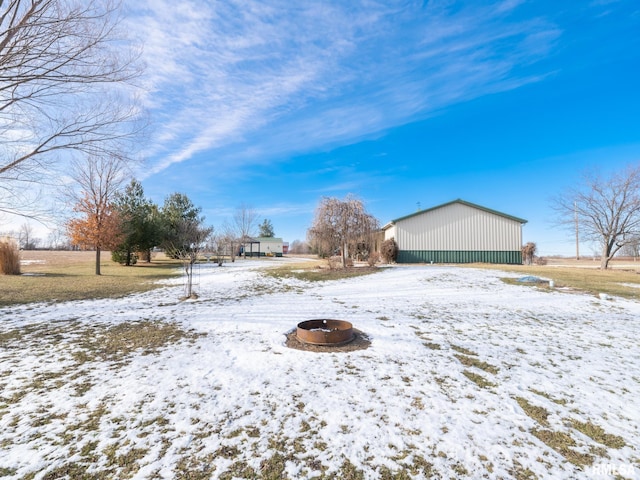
point(465, 377)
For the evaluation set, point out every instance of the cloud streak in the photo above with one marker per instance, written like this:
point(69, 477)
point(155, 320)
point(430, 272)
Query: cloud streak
point(250, 80)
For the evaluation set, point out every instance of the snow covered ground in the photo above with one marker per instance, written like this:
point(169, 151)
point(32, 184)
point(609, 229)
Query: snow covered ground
point(465, 377)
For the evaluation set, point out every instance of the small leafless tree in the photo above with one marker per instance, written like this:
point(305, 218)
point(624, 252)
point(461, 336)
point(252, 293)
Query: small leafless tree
point(607, 210)
point(192, 239)
point(25, 237)
point(632, 247)
point(342, 226)
point(229, 238)
point(529, 252)
point(56, 239)
point(299, 247)
point(63, 70)
point(389, 250)
point(217, 247)
point(244, 224)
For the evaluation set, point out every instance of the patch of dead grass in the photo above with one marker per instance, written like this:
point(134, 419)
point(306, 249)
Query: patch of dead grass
point(477, 363)
point(478, 379)
point(583, 276)
point(598, 434)
point(562, 442)
point(463, 350)
point(119, 341)
point(539, 414)
point(318, 273)
point(64, 276)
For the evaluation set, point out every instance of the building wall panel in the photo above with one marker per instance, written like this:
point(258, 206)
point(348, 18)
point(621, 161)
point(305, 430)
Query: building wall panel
point(452, 256)
point(458, 228)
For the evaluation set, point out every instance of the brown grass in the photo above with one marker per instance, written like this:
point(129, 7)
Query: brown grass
point(597, 433)
point(318, 272)
point(50, 276)
point(474, 362)
point(584, 276)
point(9, 258)
point(561, 443)
point(539, 414)
point(478, 379)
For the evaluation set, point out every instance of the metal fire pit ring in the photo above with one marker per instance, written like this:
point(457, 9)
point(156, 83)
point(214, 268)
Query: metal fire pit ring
point(325, 332)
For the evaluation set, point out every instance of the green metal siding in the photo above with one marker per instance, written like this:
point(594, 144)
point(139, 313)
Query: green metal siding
point(458, 256)
point(262, 254)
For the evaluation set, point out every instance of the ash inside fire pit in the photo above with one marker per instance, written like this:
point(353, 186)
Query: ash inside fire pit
point(325, 332)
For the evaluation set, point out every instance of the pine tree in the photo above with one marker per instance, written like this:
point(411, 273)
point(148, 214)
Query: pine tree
point(140, 224)
point(266, 229)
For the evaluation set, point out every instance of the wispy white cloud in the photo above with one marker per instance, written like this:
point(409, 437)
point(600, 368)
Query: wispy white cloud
point(251, 79)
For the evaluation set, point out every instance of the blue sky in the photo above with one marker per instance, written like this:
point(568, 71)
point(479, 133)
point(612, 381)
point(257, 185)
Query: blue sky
point(275, 104)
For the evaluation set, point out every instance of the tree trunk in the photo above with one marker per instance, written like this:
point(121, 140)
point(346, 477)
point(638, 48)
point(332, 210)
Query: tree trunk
point(189, 279)
point(605, 257)
point(97, 260)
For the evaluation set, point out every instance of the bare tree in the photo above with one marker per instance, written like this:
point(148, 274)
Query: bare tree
point(217, 246)
point(342, 226)
point(389, 250)
point(244, 222)
point(299, 247)
point(230, 240)
point(63, 71)
point(529, 252)
point(56, 239)
point(25, 237)
point(632, 248)
point(607, 210)
point(97, 181)
point(190, 240)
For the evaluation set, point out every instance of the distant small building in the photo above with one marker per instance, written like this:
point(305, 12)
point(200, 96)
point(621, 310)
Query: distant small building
point(457, 232)
point(263, 247)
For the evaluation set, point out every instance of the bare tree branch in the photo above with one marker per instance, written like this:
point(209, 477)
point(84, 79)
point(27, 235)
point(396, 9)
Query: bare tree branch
point(244, 221)
point(607, 210)
point(65, 86)
point(342, 226)
point(97, 180)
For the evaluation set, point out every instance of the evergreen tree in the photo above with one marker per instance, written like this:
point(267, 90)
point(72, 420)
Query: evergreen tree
point(140, 224)
point(184, 233)
point(266, 229)
point(178, 212)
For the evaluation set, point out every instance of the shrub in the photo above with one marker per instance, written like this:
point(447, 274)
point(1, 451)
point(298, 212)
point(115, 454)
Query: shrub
point(146, 255)
point(389, 250)
point(120, 256)
point(540, 260)
point(335, 262)
point(374, 257)
point(9, 258)
point(528, 253)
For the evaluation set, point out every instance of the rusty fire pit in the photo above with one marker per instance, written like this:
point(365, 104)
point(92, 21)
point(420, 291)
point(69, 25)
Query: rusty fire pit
point(325, 332)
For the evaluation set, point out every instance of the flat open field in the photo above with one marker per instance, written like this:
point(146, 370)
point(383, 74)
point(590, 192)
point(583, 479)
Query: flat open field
point(466, 376)
point(625, 263)
point(49, 276)
point(58, 258)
